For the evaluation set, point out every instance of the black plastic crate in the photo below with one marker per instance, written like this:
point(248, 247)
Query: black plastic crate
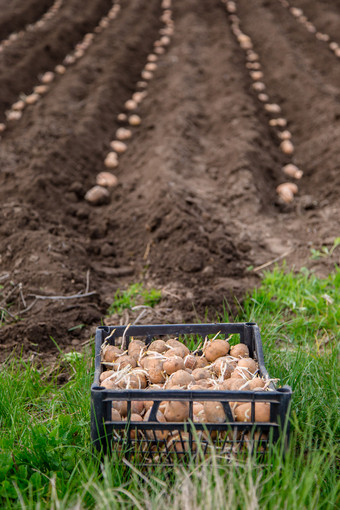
point(144, 439)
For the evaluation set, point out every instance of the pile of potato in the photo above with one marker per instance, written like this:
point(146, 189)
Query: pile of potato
point(170, 365)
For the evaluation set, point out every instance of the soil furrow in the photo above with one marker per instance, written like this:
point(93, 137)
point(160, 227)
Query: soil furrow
point(309, 101)
point(317, 57)
point(20, 68)
point(16, 15)
point(195, 204)
point(82, 109)
point(324, 14)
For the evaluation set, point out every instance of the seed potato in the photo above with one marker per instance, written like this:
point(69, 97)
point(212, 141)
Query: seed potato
point(180, 378)
point(173, 364)
point(262, 412)
point(159, 435)
point(214, 412)
point(176, 411)
point(239, 351)
point(176, 343)
point(216, 349)
point(158, 346)
point(221, 367)
point(248, 363)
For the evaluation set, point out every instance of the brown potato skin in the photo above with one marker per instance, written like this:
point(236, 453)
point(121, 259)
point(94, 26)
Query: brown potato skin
point(190, 361)
point(248, 363)
point(175, 351)
point(222, 364)
point(176, 343)
point(115, 416)
point(120, 406)
point(180, 378)
point(159, 434)
point(157, 346)
point(201, 362)
point(137, 407)
point(201, 373)
point(105, 375)
point(173, 364)
point(214, 412)
point(109, 384)
point(262, 412)
point(124, 361)
point(154, 369)
point(176, 411)
point(135, 348)
point(239, 351)
point(111, 353)
point(255, 383)
point(216, 349)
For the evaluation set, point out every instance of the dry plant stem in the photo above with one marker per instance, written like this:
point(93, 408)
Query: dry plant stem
point(140, 316)
point(7, 312)
point(22, 296)
point(29, 307)
point(87, 288)
point(270, 262)
point(60, 298)
point(11, 292)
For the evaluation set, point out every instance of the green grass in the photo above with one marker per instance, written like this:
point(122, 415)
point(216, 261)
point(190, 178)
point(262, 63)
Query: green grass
point(46, 459)
point(133, 296)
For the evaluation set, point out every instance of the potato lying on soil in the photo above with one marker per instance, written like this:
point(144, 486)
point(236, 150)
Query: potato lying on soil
point(107, 180)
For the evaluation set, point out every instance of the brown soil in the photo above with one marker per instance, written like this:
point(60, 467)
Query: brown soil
point(196, 202)
point(16, 14)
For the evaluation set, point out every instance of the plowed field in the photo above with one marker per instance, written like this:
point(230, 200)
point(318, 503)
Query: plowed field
point(196, 208)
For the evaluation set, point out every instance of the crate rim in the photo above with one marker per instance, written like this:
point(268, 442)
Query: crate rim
point(144, 329)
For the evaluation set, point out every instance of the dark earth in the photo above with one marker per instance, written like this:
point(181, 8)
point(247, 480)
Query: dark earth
point(195, 212)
